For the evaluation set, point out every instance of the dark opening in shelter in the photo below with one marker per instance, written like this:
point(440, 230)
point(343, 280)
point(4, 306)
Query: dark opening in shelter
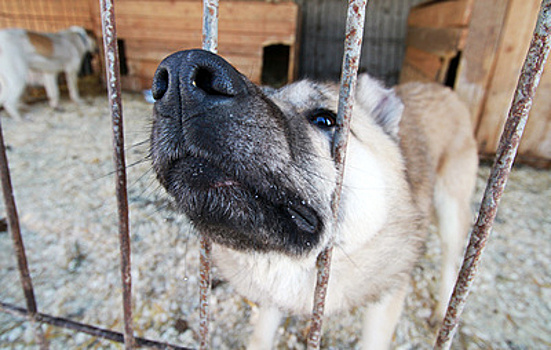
point(275, 65)
point(451, 74)
point(122, 57)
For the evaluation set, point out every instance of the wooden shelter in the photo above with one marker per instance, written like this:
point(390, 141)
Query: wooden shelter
point(248, 29)
point(478, 47)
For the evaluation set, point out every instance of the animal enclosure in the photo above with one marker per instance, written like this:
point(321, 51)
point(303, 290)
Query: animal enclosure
point(43, 319)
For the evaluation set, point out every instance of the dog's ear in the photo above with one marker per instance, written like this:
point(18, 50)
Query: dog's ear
point(381, 103)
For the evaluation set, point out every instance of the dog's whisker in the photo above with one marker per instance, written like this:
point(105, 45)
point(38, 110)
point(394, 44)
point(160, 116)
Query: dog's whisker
point(138, 144)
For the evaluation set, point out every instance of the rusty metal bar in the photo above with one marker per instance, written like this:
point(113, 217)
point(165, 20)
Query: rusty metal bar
point(507, 150)
point(19, 247)
point(210, 25)
point(111, 52)
point(210, 43)
point(13, 223)
point(204, 291)
point(85, 328)
point(351, 60)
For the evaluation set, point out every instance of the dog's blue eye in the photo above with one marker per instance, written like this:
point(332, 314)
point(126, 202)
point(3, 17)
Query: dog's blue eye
point(323, 118)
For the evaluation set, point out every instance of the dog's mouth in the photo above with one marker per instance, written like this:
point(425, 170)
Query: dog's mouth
point(226, 183)
point(240, 211)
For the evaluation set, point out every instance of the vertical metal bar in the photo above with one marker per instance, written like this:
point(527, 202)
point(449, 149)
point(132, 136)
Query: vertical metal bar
point(114, 93)
point(210, 25)
point(210, 43)
point(13, 222)
point(351, 60)
point(204, 292)
point(507, 150)
point(15, 229)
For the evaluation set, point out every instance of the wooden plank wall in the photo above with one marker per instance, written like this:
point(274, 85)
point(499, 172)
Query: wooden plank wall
point(491, 53)
point(535, 147)
point(477, 63)
point(496, 48)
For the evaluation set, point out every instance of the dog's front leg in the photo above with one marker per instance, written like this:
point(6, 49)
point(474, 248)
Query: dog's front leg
point(52, 90)
point(381, 319)
point(72, 85)
point(11, 108)
point(265, 328)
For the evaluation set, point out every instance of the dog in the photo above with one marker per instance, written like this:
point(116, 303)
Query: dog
point(31, 58)
point(253, 170)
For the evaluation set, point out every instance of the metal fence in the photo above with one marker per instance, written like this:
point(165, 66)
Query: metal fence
point(528, 82)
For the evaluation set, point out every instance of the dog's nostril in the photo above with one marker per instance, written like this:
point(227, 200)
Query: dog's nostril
point(160, 84)
point(205, 80)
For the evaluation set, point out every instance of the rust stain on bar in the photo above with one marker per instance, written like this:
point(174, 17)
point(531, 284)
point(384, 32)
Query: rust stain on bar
point(507, 150)
point(210, 43)
point(114, 93)
point(352, 50)
point(204, 291)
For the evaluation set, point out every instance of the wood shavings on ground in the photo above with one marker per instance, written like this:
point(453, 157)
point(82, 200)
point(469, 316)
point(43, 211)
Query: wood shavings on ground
point(62, 171)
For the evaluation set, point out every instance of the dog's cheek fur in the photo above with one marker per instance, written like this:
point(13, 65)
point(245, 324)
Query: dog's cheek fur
point(364, 182)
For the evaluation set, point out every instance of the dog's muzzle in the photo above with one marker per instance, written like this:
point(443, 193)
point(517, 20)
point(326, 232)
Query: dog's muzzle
point(222, 149)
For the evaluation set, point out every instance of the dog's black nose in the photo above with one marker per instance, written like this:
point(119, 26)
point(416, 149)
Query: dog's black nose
point(193, 79)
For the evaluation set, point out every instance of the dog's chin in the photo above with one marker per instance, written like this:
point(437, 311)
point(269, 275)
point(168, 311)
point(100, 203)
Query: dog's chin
point(235, 214)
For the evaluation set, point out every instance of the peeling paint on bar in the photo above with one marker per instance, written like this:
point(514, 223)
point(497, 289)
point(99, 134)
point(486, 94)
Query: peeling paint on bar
point(210, 25)
point(210, 43)
point(114, 92)
point(351, 59)
point(507, 150)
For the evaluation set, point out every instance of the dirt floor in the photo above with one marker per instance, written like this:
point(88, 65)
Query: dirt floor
point(62, 171)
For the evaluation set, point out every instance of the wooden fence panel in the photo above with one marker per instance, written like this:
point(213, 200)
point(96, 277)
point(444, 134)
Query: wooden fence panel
point(518, 27)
